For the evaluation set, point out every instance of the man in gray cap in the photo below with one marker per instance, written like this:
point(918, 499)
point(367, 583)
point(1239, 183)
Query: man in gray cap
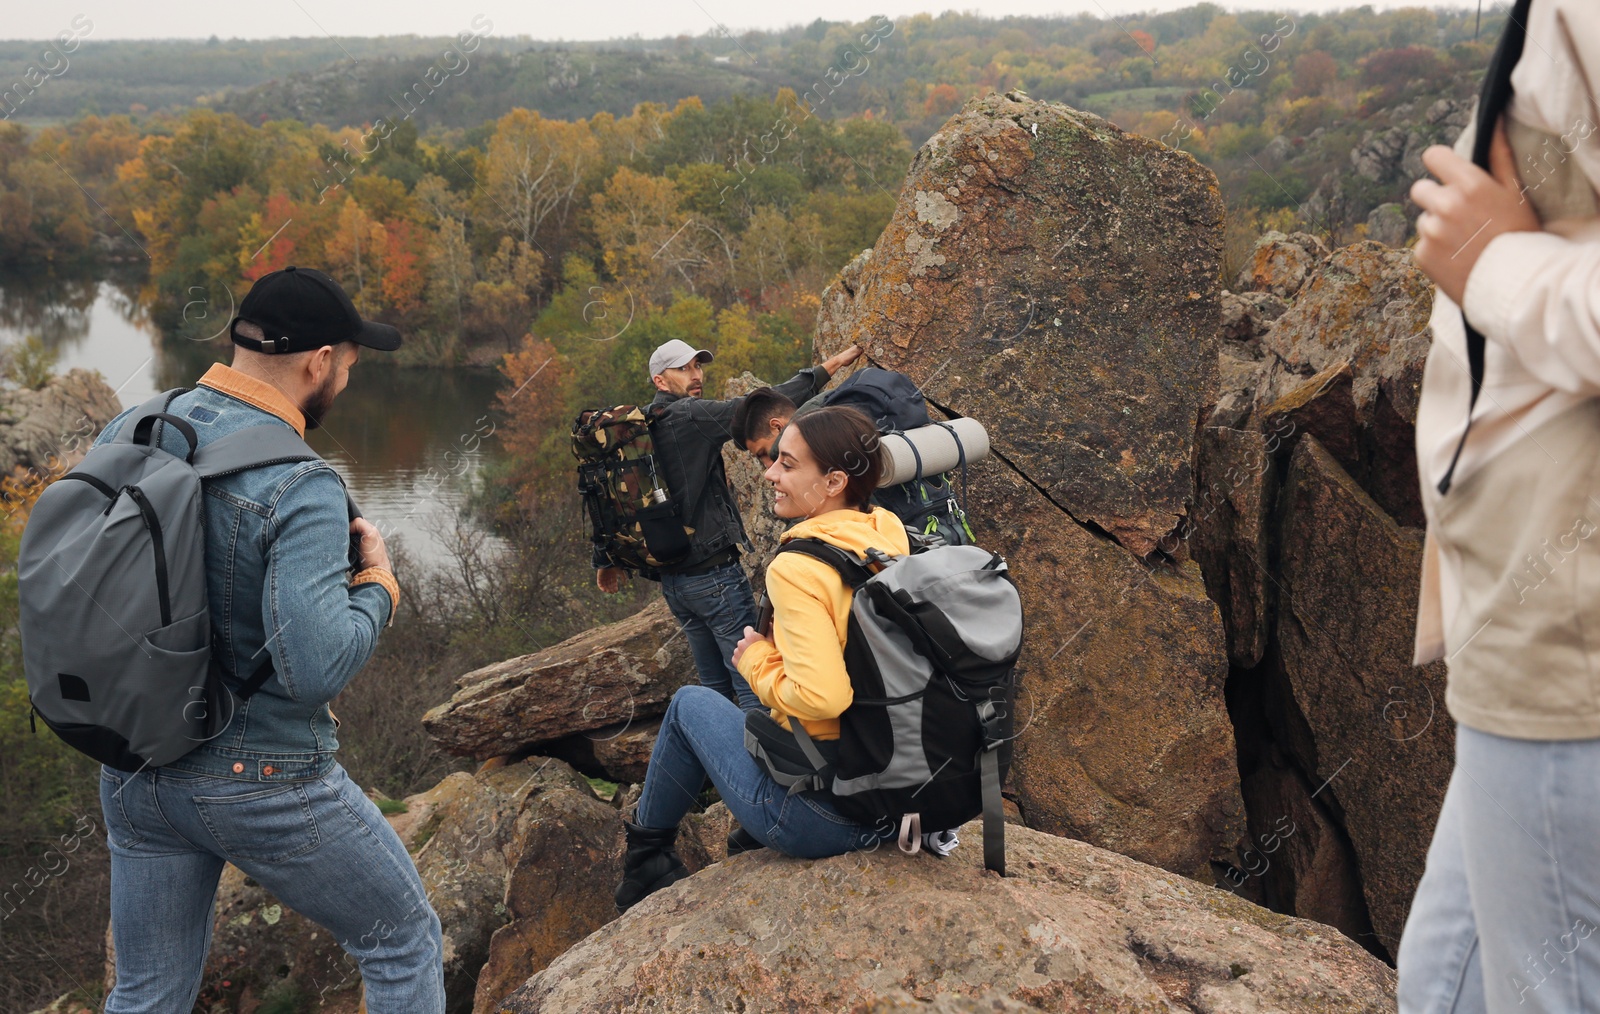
point(708, 591)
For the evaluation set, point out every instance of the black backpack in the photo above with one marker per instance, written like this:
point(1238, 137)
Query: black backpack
point(932, 642)
point(891, 400)
point(895, 404)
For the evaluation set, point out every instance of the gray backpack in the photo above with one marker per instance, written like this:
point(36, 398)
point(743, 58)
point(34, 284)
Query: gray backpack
point(116, 630)
point(932, 641)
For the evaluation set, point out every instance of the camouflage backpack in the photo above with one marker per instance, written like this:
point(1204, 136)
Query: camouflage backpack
point(633, 516)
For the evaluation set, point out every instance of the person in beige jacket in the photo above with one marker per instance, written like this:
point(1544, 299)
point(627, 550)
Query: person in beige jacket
point(1510, 595)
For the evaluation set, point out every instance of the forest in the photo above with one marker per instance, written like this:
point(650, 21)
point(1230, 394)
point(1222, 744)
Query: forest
point(556, 211)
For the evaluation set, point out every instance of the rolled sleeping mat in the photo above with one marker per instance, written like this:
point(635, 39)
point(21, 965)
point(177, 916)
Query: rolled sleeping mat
point(934, 449)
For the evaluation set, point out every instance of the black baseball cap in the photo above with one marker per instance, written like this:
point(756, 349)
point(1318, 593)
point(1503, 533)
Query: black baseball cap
point(300, 309)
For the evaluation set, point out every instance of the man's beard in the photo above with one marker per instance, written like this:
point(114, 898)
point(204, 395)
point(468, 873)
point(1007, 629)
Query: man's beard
point(320, 402)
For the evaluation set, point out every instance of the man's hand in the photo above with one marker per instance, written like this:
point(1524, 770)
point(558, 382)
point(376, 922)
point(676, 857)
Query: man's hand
point(373, 551)
point(843, 359)
point(751, 636)
point(1466, 210)
point(609, 579)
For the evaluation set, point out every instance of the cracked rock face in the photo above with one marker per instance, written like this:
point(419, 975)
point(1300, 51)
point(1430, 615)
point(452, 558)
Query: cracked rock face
point(1308, 530)
point(1059, 274)
point(1081, 328)
point(1382, 741)
point(1071, 928)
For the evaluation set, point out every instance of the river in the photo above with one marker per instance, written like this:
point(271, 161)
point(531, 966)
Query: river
point(410, 443)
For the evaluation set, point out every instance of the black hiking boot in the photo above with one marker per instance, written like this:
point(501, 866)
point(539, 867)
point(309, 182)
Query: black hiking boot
point(740, 840)
point(650, 864)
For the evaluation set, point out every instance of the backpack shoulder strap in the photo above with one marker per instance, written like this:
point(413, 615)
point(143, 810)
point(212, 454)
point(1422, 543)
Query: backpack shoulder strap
point(1492, 101)
point(854, 571)
point(257, 447)
point(252, 447)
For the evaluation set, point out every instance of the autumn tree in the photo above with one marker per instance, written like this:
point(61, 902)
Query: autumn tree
point(356, 253)
point(1313, 73)
point(648, 241)
point(502, 298)
point(534, 167)
point(533, 410)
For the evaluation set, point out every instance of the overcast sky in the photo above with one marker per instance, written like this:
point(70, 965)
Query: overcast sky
point(540, 19)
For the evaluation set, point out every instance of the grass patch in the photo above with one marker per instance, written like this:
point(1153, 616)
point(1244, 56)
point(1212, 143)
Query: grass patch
point(390, 807)
point(604, 789)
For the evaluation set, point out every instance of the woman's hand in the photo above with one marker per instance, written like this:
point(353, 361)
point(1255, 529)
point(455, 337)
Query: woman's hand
point(1464, 212)
point(751, 636)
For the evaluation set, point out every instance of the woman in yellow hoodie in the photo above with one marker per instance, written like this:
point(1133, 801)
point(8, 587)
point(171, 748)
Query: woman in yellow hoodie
point(830, 463)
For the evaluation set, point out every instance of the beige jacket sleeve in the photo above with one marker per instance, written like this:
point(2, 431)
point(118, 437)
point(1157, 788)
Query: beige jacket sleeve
point(1537, 294)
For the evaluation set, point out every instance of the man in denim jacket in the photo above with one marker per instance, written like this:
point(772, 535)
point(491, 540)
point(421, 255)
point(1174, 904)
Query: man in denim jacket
point(267, 794)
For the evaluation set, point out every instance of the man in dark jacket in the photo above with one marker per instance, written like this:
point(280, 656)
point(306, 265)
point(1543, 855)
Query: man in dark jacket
point(708, 591)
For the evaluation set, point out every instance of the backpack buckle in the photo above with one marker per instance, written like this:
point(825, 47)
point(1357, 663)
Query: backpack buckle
point(878, 556)
point(991, 719)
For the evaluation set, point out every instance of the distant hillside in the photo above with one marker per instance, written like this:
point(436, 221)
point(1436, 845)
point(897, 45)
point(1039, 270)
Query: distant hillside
point(171, 75)
point(918, 72)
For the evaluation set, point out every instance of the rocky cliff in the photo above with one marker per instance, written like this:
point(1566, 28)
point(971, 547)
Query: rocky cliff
point(1017, 282)
point(1207, 497)
point(47, 431)
point(1307, 524)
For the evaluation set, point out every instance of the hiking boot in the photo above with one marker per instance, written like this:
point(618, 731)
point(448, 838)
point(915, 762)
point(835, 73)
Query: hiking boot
point(740, 840)
point(650, 864)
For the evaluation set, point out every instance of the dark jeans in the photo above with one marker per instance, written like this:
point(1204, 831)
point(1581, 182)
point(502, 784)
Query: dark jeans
point(713, 609)
point(703, 735)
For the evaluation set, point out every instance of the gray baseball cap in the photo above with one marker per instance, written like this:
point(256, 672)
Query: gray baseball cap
point(674, 354)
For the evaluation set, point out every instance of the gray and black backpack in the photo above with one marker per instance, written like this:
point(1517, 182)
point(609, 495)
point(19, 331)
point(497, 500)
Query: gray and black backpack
point(115, 625)
point(932, 642)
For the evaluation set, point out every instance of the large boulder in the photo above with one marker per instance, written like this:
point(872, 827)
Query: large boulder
point(1016, 283)
point(1365, 307)
point(1123, 737)
point(610, 676)
point(1279, 263)
point(519, 861)
point(48, 430)
point(1071, 928)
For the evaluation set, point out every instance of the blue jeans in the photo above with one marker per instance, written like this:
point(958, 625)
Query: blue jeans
point(1506, 915)
point(319, 845)
point(714, 608)
point(703, 734)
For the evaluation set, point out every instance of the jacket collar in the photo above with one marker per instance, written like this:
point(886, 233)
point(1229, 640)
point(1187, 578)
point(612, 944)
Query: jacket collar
point(255, 392)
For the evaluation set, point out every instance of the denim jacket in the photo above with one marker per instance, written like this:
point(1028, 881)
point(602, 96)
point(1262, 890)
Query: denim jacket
point(278, 581)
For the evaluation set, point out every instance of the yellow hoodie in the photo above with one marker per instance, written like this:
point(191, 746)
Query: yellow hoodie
point(801, 672)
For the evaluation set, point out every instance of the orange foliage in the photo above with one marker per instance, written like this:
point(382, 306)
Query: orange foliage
point(403, 280)
point(18, 494)
point(535, 424)
point(942, 101)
